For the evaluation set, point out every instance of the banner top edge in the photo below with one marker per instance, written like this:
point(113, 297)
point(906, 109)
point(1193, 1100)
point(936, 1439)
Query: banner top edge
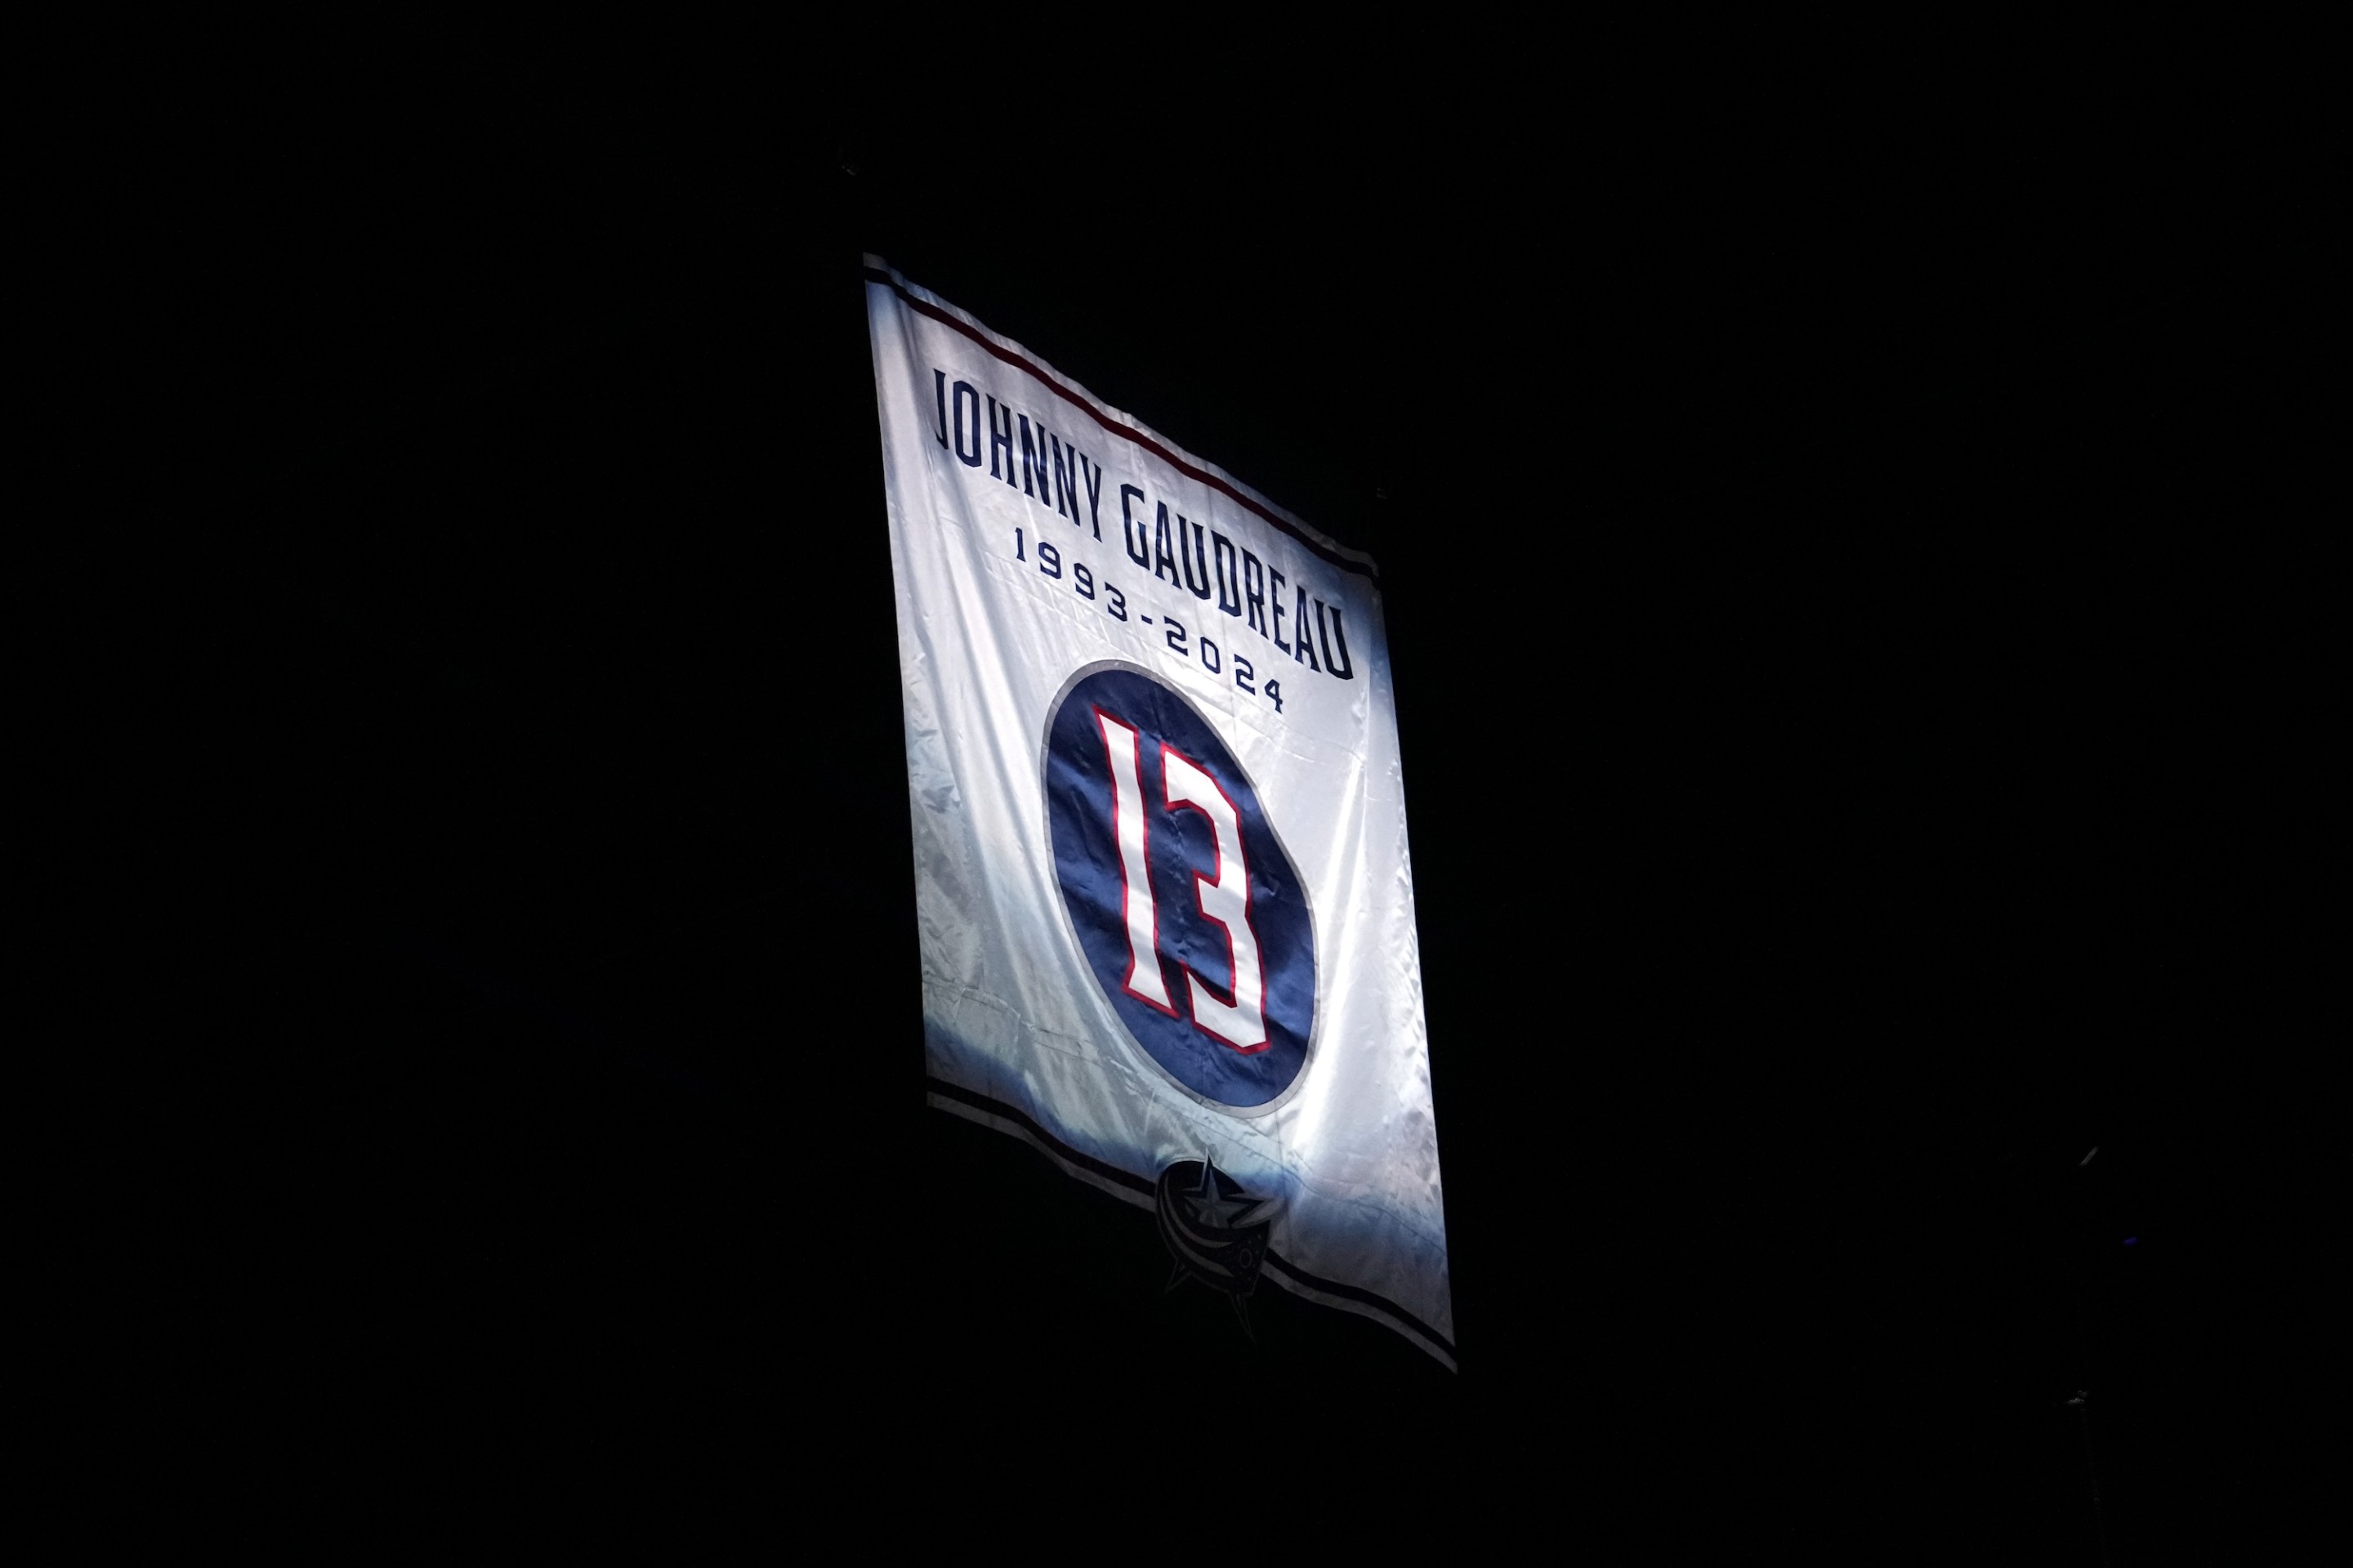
point(880, 271)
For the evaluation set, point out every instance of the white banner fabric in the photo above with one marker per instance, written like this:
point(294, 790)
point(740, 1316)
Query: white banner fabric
point(1165, 908)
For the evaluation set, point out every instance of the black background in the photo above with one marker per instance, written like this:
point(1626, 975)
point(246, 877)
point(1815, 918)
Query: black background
point(1846, 521)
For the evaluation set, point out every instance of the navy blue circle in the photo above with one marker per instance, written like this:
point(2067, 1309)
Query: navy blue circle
point(1182, 846)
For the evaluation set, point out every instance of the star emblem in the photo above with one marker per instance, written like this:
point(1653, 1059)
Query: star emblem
point(1211, 1207)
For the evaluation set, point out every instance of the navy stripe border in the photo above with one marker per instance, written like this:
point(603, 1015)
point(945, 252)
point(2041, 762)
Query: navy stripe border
point(1135, 1184)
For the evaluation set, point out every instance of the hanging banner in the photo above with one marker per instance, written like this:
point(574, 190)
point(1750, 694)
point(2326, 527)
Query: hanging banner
point(1165, 908)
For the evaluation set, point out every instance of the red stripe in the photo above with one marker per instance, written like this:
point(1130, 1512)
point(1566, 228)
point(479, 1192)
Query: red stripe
point(1223, 488)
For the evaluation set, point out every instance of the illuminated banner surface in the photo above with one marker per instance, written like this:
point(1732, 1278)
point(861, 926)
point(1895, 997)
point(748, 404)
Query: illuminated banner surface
point(1161, 877)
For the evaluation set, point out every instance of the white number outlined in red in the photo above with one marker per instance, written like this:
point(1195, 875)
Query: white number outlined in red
point(1239, 1022)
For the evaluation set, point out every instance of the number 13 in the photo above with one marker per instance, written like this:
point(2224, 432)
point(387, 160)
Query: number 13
point(1223, 898)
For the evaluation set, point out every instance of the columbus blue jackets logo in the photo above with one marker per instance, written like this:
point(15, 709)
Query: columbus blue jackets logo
point(1215, 1231)
point(1188, 909)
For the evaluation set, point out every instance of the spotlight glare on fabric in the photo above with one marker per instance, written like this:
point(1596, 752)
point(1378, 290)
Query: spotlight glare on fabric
point(1163, 893)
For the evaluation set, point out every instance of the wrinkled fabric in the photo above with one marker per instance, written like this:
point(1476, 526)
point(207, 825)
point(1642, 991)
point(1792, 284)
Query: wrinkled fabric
point(1016, 1009)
